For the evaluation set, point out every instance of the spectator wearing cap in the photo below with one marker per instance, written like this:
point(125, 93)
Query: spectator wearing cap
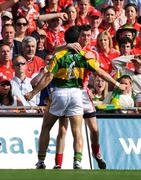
point(21, 26)
point(119, 64)
point(34, 63)
point(6, 17)
point(95, 18)
point(40, 50)
point(6, 96)
point(6, 62)
point(126, 31)
point(8, 34)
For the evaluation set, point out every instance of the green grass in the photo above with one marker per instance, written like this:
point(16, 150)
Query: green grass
point(70, 174)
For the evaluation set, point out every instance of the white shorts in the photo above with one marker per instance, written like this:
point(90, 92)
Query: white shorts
point(88, 105)
point(66, 102)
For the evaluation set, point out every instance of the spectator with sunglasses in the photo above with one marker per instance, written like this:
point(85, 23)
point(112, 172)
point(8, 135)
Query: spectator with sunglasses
point(28, 9)
point(21, 83)
point(21, 26)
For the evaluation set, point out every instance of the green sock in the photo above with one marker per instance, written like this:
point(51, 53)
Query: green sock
point(77, 156)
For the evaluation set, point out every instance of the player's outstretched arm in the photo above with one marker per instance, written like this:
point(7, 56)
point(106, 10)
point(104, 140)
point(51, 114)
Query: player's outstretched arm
point(46, 79)
point(108, 78)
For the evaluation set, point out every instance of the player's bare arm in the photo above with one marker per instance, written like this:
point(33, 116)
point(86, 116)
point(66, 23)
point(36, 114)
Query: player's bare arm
point(46, 79)
point(108, 78)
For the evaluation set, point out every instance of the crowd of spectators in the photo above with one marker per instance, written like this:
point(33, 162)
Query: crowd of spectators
point(31, 31)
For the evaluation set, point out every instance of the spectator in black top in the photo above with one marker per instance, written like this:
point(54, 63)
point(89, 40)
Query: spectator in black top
point(8, 34)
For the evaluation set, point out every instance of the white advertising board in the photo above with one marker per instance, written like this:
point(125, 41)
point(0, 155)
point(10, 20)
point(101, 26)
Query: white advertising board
point(19, 144)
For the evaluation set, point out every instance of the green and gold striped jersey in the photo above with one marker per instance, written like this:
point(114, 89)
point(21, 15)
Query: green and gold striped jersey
point(68, 68)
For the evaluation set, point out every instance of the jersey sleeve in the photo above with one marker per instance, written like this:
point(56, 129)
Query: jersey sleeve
point(53, 66)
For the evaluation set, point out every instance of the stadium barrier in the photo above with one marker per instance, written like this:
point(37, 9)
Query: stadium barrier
point(19, 136)
point(120, 140)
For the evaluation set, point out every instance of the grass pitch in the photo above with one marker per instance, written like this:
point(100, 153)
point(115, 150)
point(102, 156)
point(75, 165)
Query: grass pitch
point(70, 174)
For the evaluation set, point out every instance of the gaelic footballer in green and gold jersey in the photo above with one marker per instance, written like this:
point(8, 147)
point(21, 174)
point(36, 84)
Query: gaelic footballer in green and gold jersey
point(68, 68)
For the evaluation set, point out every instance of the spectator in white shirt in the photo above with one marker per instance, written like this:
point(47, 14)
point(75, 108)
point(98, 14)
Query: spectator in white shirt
point(20, 83)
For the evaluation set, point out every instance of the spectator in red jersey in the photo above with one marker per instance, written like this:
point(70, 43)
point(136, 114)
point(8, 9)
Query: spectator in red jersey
point(55, 34)
point(6, 62)
point(106, 51)
point(95, 20)
point(64, 3)
point(84, 8)
point(131, 12)
point(72, 16)
point(51, 6)
point(29, 10)
point(108, 22)
point(34, 63)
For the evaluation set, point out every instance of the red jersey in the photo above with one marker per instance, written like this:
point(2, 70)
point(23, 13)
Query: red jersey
point(7, 71)
point(49, 10)
point(110, 29)
point(32, 13)
point(82, 20)
point(54, 39)
point(136, 25)
point(105, 60)
point(86, 72)
point(34, 66)
point(64, 3)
